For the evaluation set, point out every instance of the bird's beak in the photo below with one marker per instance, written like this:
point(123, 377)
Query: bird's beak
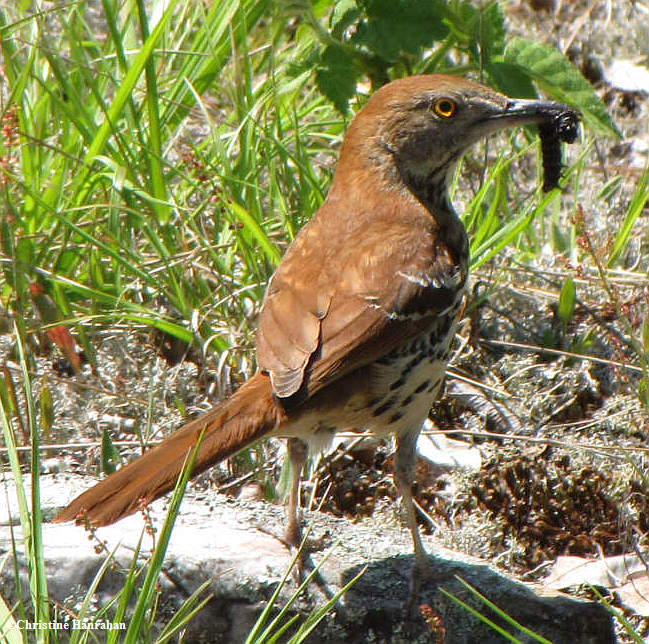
point(534, 111)
point(556, 122)
point(519, 111)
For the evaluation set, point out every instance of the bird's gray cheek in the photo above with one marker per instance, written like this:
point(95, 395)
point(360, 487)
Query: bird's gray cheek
point(422, 144)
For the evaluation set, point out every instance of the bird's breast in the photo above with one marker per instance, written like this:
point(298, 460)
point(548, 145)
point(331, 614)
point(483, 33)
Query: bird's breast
point(407, 380)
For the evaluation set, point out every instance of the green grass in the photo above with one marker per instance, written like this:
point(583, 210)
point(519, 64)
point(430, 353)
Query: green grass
point(103, 210)
point(110, 200)
point(173, 150)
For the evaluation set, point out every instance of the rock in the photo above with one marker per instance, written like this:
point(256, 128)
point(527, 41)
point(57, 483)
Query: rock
point(624, 575)
point(628, 76)
point(227, 541)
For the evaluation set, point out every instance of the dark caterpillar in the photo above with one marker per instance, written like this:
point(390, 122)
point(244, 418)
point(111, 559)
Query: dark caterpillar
point(561, 126)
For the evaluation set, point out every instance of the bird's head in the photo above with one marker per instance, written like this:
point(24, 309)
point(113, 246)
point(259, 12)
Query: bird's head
point(415, 129)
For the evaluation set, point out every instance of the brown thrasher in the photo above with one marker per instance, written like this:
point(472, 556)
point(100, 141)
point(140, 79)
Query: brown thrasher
point(358, 318)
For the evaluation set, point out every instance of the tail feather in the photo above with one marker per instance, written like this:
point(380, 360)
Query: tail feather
point(249, 414)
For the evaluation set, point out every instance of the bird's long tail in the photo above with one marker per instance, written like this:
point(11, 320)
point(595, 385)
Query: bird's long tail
point(246, 416)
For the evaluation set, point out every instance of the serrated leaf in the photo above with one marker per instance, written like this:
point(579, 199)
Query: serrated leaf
point(336, 76)
point(344, 13)
point(308, 59)
point(487, 33)
point(567, 299)
point(559, 78)
point(394, 27)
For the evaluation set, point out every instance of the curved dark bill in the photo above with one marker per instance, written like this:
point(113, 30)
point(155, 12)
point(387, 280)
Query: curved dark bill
point(556, 123)
point(564, 118)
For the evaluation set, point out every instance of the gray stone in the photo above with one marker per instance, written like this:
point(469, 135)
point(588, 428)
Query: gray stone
point(227, 541)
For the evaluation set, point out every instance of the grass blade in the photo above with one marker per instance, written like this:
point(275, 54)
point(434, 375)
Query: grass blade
point(635, 209)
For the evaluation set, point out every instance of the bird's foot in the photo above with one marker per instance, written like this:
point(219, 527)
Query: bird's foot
point(304, 565)
point(421, 572)
point(294, 540)
point(305, 545)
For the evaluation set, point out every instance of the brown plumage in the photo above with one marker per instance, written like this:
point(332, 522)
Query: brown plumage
point(358, 318)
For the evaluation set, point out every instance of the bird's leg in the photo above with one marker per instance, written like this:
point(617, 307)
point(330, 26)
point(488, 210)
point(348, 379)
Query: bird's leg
point(292, 536)
point(404, 475)
point(297, 453)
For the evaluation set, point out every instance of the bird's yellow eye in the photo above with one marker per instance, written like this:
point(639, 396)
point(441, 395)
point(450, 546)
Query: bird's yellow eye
point(444, 107)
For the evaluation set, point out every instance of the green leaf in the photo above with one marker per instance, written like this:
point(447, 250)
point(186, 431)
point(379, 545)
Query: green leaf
point(567, 299)
point(636, 207)
point(25, 250)
point(47, 410)
point(336, 76)
point(643, 392)
point(489, 31)
point(344, 13)
point(482, 29)
point(583, 344)
point(138, 622)
point(557, 76)
point(7, 396)
point(257, 232)
point(109, 455)
point(393, 27)
point(510, 79)
point(319, 7)
point(531, 635)
point(219, 31)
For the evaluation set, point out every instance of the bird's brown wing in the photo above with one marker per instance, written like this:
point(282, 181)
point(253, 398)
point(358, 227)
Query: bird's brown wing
point(356, 296)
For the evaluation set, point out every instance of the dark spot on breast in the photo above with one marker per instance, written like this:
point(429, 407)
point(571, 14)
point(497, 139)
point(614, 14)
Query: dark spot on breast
point(386, 406)
point(441, 329)
point(397, 383)
point(422, 386)
point(412, 364)
point(434, 385)
point(395, 417)
point(407, 400)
